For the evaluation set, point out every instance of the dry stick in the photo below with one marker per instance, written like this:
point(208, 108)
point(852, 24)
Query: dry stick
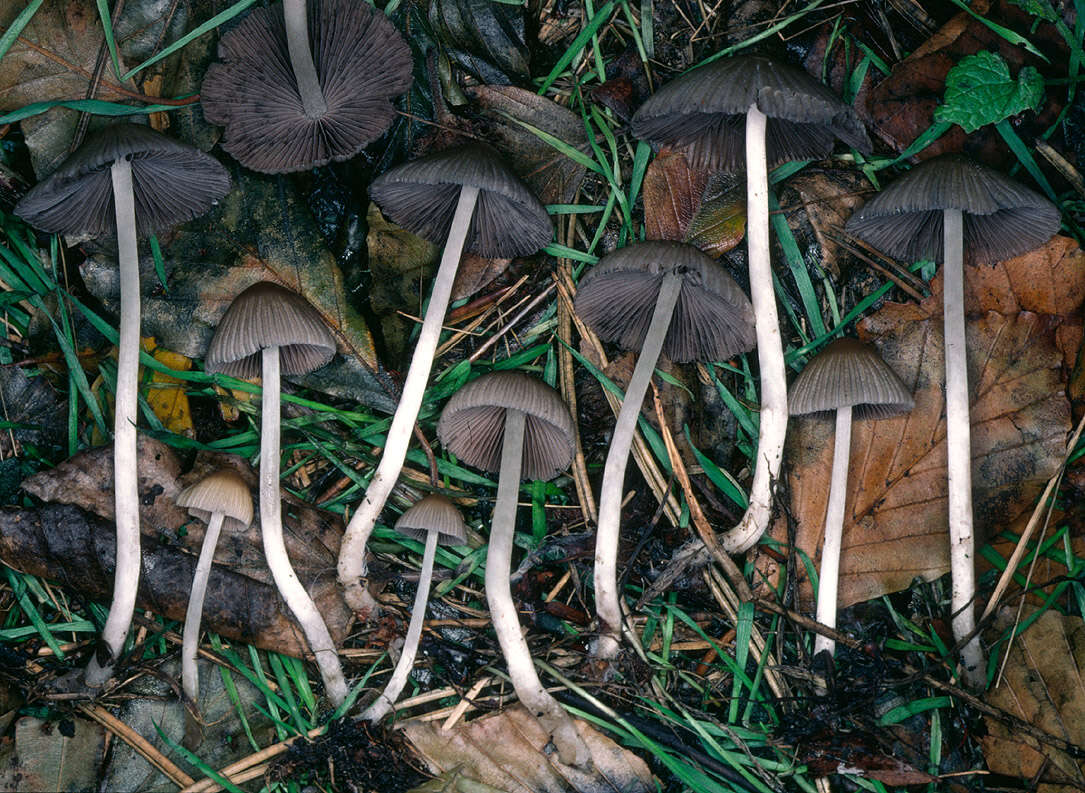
point(301, 58)
point(140, 744)
point(190, 637)
point(829, 576)
point(512, 323)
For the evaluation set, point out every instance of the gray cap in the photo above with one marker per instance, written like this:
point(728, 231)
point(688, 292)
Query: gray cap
point(433, 513)
point(849, 373)
point(222, 491)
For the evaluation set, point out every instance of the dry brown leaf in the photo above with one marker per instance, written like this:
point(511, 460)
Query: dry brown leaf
point(827, 197)
point(672, 193)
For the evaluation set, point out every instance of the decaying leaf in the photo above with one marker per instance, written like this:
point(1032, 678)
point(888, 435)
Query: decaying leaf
point(52, 755)
point(485, 38)
point(826, 197)
point(719, 224)
point(672, 194)
point(167, 396)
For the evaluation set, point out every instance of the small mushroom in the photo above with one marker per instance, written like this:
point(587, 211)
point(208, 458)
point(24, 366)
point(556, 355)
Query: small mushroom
point(468, 197)
point(265, 329)
point(518, 427)
point(133, 180)
point(436, 521)
point(849, 378)
point(655, 297)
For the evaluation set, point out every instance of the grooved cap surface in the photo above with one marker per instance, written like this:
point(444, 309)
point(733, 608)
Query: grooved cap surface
point(433, 513)
point(849, 373)
point(222, 491)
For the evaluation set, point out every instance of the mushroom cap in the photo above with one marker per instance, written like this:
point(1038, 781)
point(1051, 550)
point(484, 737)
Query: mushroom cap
point(1002, 218)
point(472, 424)
point(362, 63)
point(704, 112)
point(421, 196)
point(267, 315)
point(433, 513)
point(171, 182)
point(221, 491)
point(712, 321)
point(849, 373)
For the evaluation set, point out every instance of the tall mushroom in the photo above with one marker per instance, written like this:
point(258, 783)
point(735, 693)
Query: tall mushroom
point(468, 197)
point(655, 297)
point(847, 378)
point(950, 208)
point(268, 329)
point(788, 115)
point(133, 180)
point(518, 427)
point(434, 520)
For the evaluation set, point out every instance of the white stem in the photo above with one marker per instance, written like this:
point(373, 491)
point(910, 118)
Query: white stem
point(352, 566)
point(770, 350)
point(190, 637)
point(125, 483)
point(959, 454)
point(271, 527)
point(607, 597)
point(525, 679)
point(301, 58)
point(398, 680)
point(829, 577)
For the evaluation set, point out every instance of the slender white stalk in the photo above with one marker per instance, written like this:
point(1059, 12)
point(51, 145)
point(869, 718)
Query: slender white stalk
point(351, 565)
point(525, 679)
point(770, 350)
point(829, 577)
point(271, 527)
point(398, 680)
point(607, 597)
point(125, 483)
point(959, 454)
point(190, 636)
point(301, 58)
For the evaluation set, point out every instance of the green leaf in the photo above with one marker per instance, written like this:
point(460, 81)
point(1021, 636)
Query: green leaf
point(1038, 8)
point(980, 91)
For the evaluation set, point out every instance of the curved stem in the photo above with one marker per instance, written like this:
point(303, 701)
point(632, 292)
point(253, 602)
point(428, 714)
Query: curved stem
point(525, 679)
point(770, 350)
point(351, 565)
point(607, 597)
point(398, 680)
point(271, 527)
point(301, 58)
point(829, 577)
point(125, 483)
point(190, 637)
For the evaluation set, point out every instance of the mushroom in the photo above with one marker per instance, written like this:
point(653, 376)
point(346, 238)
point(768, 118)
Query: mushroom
point(518, 427)
point(788, 116)
point(284, 113)
point(133, 180)
point(946, 209)
point(847, 377)
point(467, 196)
point(434, 520)
point(656, 297)
point(265, 329)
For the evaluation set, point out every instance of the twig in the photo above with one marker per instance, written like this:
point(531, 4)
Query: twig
point(140, 744)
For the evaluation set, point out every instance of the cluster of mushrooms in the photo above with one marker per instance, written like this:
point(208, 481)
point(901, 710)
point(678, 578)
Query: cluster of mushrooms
point(313, 100)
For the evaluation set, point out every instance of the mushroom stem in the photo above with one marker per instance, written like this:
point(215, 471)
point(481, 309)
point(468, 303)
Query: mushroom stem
point(525, 679)
point(398, 680)
point(352, 566)
point(271, 527)
point(770, 351)
point(190, 637)
point(125, 484)
point(829, 577)
point(607, 597)
point(301, 58)
point(959, 453)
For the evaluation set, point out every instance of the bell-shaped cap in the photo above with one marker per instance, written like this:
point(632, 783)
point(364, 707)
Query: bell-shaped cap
point(267, 315)
point(421, 196)
point(704, 112)
point(849, 373)
point(362, 63)
point(472, 424)
point(1002, 218)
point(434, 513)
point(712, 321)
point(171, 181)
point(222, 491)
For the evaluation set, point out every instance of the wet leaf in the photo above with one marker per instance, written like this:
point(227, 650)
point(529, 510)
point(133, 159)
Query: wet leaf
point(719, 223)
point(672, 194)
point(52, 755)
point(483, 38)
point(36, 412)
point(980, 91)
point(858, 755)
point(167, 396)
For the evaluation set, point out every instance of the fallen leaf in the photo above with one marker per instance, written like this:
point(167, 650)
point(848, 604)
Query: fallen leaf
point(36, 411)
point(672, 194)
point(719, 224)
point(484, 38)
point(52, 755)
point(856, 755)
point(980, 91)
point(823, 200)
point(167, 396)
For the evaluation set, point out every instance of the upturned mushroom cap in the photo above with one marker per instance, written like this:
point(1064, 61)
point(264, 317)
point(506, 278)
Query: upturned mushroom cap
point(849, 373)
point(362, 62)
point(267, 315)
point(712, 321)
point(1002, 218)
point(222, 491)
point(472, 424)
point(433, 513)
point(704, 110)
point(421, 196)
point(172, 182)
